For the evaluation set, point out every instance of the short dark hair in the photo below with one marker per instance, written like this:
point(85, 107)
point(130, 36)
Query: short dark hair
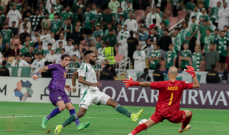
point(146, 70)
point(205, 21)
point(216, 29)
point(65, 55)
point(158, 65)
point(13, 22)
point(177, 29)
point(99, 36)
point(60, 42)
point(62, 49)
point(49, 44)
point(15, 44)
point(88, 52)
point(4, 62)
point(56, 14)
point(18, 55)
point(107, 43)
point(40, 53)
point(193, 17)
point(213, 66)
point(166, 30)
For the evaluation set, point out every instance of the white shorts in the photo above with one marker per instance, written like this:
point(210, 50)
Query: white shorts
point(95, 97)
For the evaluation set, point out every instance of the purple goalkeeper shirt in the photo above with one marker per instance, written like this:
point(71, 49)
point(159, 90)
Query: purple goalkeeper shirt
point(58, 77)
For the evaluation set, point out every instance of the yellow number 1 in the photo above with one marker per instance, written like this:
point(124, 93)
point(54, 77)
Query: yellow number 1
point(171, 99)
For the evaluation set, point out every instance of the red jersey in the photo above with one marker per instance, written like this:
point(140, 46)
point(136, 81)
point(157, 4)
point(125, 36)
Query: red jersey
point(169, 97)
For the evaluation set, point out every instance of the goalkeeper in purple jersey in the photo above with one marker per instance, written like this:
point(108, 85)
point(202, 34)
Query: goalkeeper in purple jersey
point(57, 94)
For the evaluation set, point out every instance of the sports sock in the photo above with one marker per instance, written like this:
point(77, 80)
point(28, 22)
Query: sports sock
point(73, 111)
point(70, 120)
point(53, 113)
point(122, 110)
point(139, 128)
point(185, 123)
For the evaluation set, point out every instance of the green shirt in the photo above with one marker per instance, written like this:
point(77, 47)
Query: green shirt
point(206, 3)
point(185, 54)
point(96, 33)
point(88, 16)
point(46, 52)
point(6, 36)
point(98, 45)
point(74, 65)
point(36, 51)
point(18, 6)
point(116, 16)
point(57, 8)
point(55, 25)
point(30, 43)
point(154, 54)
point(202, 30)
point(211, 57)
point(207, 41)
point(170, 56)
point(166, 21)
point(76, 7)
point(24, 50)
point(185, 33)
point(126, 13)
point(222, 45)
point(112, 38)
point(196, 58)
point(98, 18)
point(190, 6)
point(58, 50)
point(66, 15)
point(206, 17)
point(214, 14)
point(177, 42)
point(2, 19)
point(160, 33)
point(175, 2)
point(194, 27)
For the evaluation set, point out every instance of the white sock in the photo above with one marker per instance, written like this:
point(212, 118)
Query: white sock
point(130, 134)
point(181, 129)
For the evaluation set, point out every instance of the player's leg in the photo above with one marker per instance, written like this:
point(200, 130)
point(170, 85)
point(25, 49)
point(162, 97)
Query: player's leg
point(107, 100)
point(143, 126)
point(60, 108)
point(72, 111)
point(185, 126)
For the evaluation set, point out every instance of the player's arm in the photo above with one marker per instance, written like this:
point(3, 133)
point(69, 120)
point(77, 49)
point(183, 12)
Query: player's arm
point(81, 80)
point(74, 76)
point(191, 71)
point(35, 77)
point(195, 83)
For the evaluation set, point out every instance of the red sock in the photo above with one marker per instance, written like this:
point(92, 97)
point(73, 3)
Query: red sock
point(185, 123)
point(139, 128)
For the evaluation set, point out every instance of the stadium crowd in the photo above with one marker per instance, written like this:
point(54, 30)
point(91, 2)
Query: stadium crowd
point(36, 33)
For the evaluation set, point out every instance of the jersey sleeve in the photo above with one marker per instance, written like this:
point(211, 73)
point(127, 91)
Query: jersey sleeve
point(157, 85)
point(187, 85)
point(82, 70)
point(52, 66)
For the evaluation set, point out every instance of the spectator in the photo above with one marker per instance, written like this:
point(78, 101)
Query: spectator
point(2, 19)
point(64, 42)
point(109, 53)
point(74, 64)
point(6, 35)
point(24, 35)
point(122, 37)
point(62, 52)
point(113, 5)
point(51, 57)
point(18, 62)
point(38, 41)
point(196, 59)
point(211, 57)
point(7, 50)
point(161, 3)
point(202, 30)
point(98, 32)
point(209, 39)
point(39, 49)
point(58, 50)
point(185, 33)
point(139, 59)
point(46, 24)
point(75, 8)
point(213, 75)
point(67, 14)
point(109, 26)
point(193, 34)
point(223, 16)
point(4, 3)
point(213, 3)
point(222, 47)
point(151, 41)
point(15, 51)
point(144, 77)
point(204, 16)
point(46, 73)
point(37, 64)
point(24, 49)
point(154, 57)
point(106, 74)
point(99, 42)
point(128, 10)
point(3, 70)
point(132, 44)
point(152, 25)
point(88, 20)
point(190, 5)
point(99, 52)
point(75, 51)
point(224, 78)
point(25, 24)
point(48, 51)
point(195, 13)
point(107, 19)
point(35, 21)
point(46, 39)
point(111, 37)
point(176, 6)
point(158, 10)
point(214, 13)
point(76, 37)
point(177, 41)
point(131, 24)
point(143, 35)
point(157, 74)
point(166, 20)
point(164, 43)
point(216, 34)
point(56, 26)
point(152, 15)
point(28, 39)
point(69, 48)
point(185, 57)
point(14, 29)
point(29, 56)
point(116, 16)
point(78, 16)
point(170, 57)
point(14, 15)
point(67, 29)
point(6, 59)
point(82, 51)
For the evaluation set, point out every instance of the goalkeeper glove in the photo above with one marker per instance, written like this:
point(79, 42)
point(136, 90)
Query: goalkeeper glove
point(190, 70)
point(130, 82)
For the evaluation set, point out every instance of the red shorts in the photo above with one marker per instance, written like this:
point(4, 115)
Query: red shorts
point(178, 117)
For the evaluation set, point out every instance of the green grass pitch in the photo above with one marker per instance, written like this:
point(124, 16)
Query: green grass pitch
point(25, 119)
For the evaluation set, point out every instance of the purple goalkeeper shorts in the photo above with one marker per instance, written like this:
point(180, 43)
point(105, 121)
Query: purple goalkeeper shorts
point(58, 95)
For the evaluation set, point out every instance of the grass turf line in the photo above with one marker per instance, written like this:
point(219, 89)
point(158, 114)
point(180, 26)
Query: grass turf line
point(25, 119)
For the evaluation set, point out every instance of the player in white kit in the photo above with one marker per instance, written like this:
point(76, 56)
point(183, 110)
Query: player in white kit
point(91, 94)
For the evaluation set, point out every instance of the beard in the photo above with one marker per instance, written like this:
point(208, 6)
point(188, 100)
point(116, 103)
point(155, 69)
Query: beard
point(92, 62)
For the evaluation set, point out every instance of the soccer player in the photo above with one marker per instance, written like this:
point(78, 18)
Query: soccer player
point(57, 94)
point(91, 94)
point(168, 104)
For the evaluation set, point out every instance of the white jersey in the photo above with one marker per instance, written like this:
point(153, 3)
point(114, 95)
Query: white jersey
point(87, 71)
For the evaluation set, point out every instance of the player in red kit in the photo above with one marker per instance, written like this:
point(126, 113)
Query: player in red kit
point(168, 104)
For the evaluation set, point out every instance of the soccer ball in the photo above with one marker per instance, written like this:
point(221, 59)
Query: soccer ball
point(142, 121)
